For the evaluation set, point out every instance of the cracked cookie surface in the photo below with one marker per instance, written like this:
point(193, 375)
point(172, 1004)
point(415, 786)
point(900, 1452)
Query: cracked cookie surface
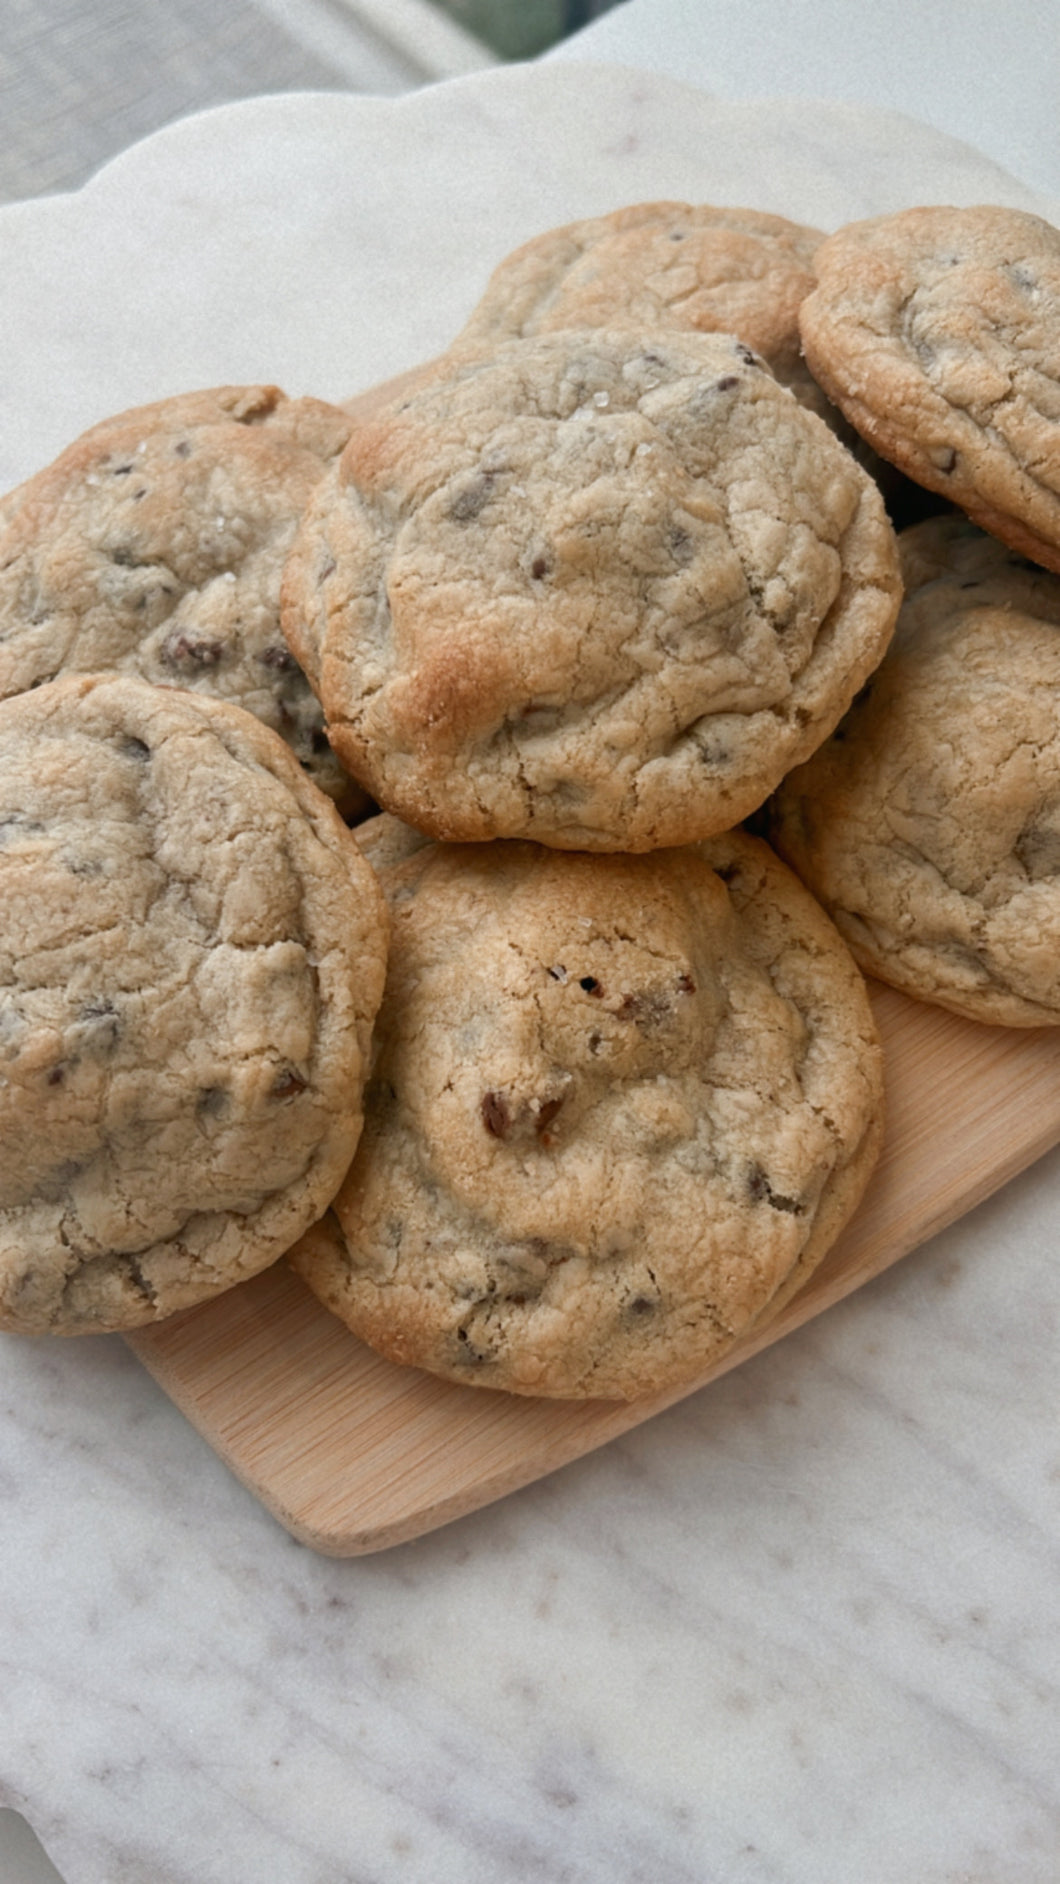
point(590, 590)
point(153, 546)
point(193, 950)
point(620, 1108)
point(937, 332)
point(929, 824)
point(699, 267)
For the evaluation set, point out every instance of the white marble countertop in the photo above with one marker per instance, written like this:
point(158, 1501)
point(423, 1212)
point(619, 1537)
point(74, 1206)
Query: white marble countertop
point(983, 72)
point(801, 1629)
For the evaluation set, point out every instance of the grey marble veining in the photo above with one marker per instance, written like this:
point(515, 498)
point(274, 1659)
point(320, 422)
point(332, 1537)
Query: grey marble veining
point(801, 1629)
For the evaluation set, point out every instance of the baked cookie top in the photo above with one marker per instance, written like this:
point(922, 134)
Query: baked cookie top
point(589, 589)
point(620, 1108)
point(937, 331)
point(192, 952)
point(700, 267)
point(153, 546)
point(929, 824)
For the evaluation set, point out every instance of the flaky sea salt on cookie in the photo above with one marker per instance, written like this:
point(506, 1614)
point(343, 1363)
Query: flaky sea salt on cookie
point(929, 824)
point(620, 1108)
point(937, 332)
point(153, 546)
point(701, 267)
point(589, 589)
point(192, 950)
point(696, 268)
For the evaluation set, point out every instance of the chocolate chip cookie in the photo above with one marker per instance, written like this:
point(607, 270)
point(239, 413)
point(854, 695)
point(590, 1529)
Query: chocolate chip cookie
point(937, 332)
point(193, 950)
point(929, 824)
point(620, 1108)
point(699, 267)
point(590, 589)
point(153, 546)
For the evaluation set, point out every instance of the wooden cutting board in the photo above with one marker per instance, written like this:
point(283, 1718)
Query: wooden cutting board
point(353, 1454)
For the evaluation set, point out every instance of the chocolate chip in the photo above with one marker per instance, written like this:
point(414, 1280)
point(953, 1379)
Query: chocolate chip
point(16, 825)
point(182, 448)
point(727, 383)
point(496, 1116)
point(57, 1181)
point(539, 568)
point(685, 984)
point(590, 984)
point(712, 750)
point(102, 1008)
point(470, 1354)
point(287, 1085)
point(278, 657)
point(184, 650)
point(137, 1276)
point(547, 1113)
point(101, 1018)
point(1037, 848)
point(647, 1010)
point(761, 1190)
point(466, 506)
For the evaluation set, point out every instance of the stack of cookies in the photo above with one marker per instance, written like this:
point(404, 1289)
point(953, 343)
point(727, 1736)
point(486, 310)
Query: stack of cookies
point(929, 824)
point(192, 948)
point(604, 583)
